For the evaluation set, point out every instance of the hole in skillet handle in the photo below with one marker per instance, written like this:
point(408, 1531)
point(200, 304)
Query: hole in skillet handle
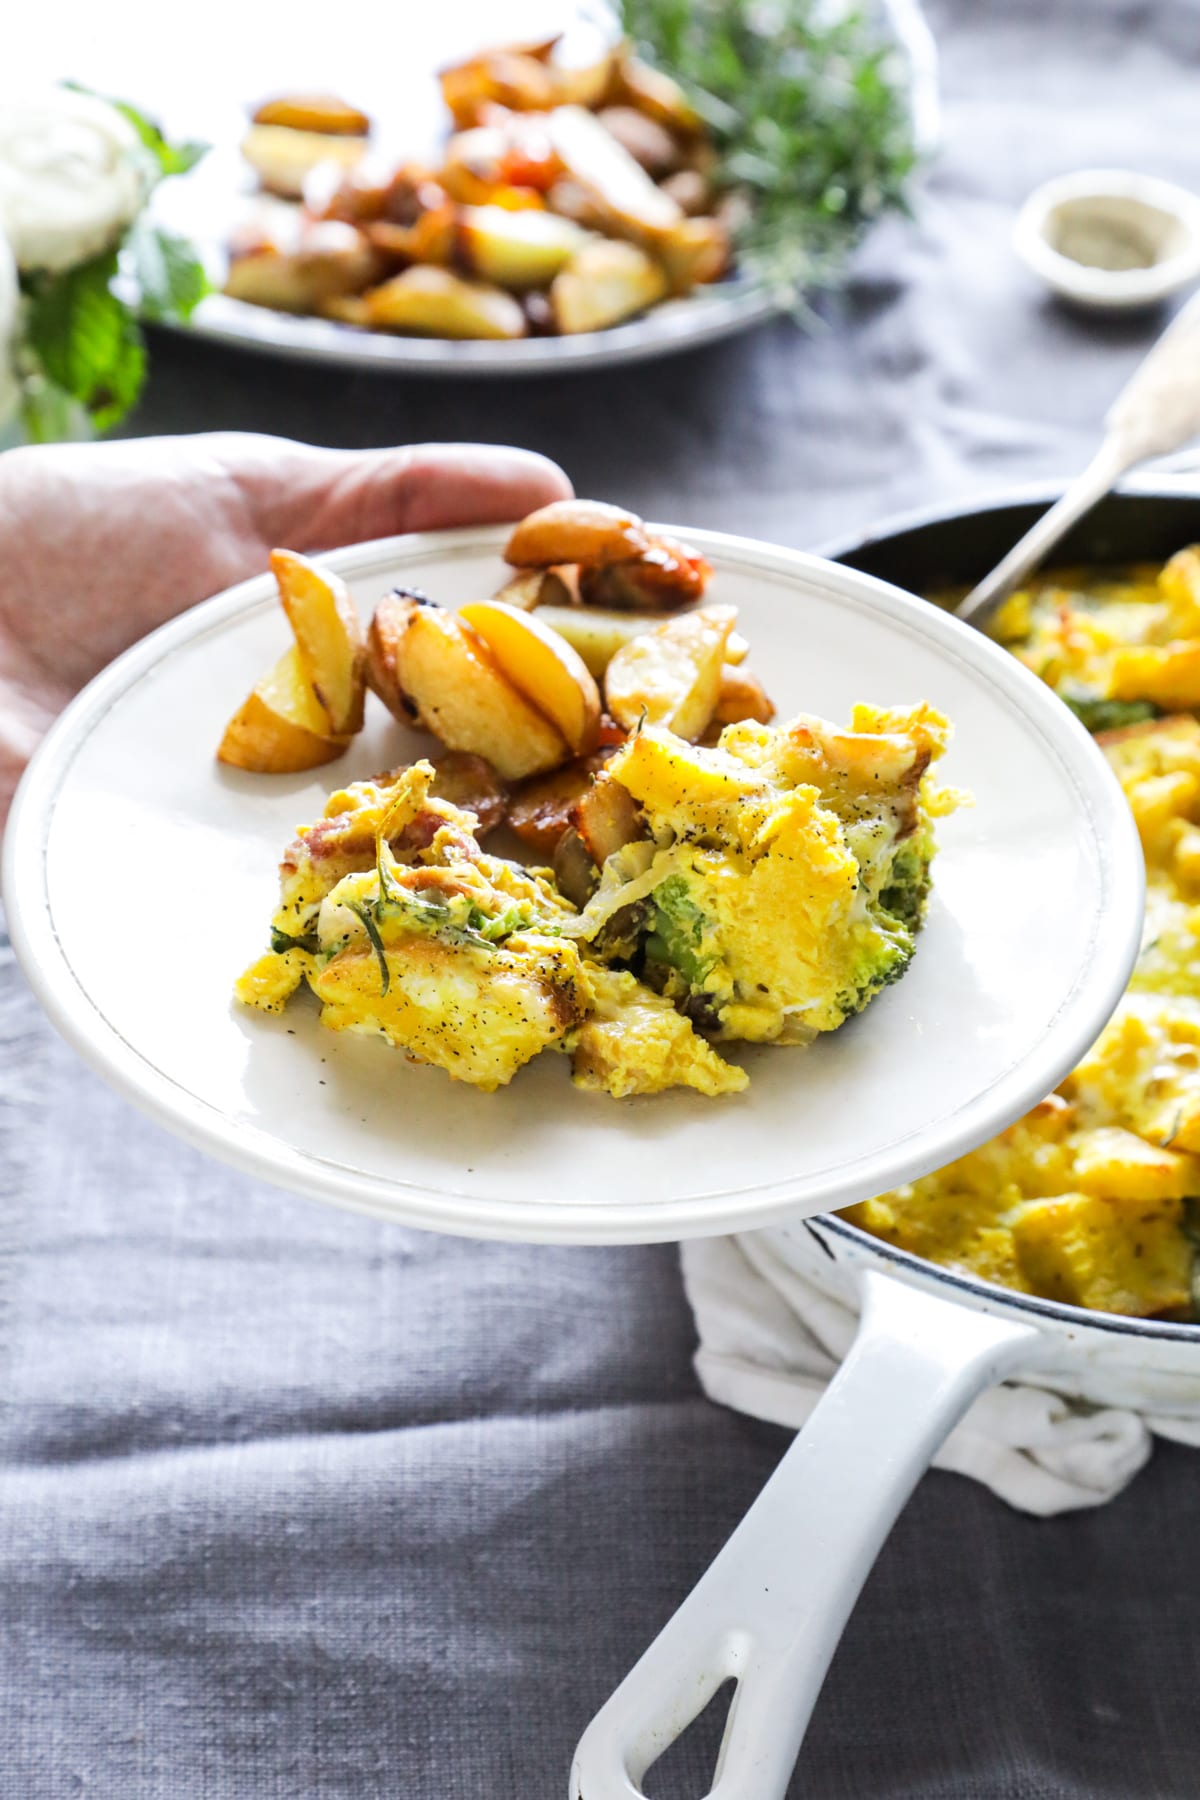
point(690, 1765)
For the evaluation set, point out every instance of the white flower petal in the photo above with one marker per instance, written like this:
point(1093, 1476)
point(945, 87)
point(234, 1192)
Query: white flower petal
point(71, 177)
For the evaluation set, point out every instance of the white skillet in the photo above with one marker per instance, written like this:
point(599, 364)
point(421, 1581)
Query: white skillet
point(140, 878)
point(770, 1609)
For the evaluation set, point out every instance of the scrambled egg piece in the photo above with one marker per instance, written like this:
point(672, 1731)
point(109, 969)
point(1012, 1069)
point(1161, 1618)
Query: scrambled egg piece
point(403, 927)
point(1086, 1199)
point(785, 872)
point(773, 885)
point(1118, 649)
point(636, 1043)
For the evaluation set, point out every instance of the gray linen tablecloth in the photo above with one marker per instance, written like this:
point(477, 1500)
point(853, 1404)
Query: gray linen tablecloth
point(294, 1504)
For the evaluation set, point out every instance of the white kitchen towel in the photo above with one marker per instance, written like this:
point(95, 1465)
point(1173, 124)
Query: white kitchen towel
point(770, 1341)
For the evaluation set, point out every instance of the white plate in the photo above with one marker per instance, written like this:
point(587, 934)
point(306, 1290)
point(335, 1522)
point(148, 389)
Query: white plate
point(204, 205)
point(140, 878)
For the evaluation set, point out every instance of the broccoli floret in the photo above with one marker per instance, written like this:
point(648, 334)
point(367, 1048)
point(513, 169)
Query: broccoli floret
point(677, 932)
point(895, 919)
point(882, 959)
point(1098, 714)
point(906, 890)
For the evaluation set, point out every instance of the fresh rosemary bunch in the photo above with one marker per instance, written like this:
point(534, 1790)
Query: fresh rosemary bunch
point(807, 117)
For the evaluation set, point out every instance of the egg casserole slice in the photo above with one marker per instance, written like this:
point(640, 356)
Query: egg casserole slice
point(768, 887)
point(1088, 1198)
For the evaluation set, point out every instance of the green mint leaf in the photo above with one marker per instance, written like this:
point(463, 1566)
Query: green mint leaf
point(48, 415)
point(167, 158)
point(172, 159)
point(170, 276)
point(86, 339)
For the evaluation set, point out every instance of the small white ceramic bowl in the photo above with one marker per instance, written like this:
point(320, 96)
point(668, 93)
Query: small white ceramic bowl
point(1110, 239)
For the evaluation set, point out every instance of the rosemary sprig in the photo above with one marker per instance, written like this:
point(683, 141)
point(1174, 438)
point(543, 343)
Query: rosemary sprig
point(809, 120)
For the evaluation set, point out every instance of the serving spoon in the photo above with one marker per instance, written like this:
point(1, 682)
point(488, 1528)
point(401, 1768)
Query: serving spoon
point(1156, 412)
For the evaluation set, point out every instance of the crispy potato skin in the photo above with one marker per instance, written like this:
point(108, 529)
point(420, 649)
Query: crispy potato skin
point(314, 112)
point(541, 810)
point(430, 670)
point(471, 782)
point(666, 576)
point(576, 531)
point(607, 818)
point(384, 634)
point(617, 561)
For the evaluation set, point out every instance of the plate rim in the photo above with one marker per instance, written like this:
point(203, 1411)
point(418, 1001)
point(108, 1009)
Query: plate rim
point(1081, 1015)
point(717, 315)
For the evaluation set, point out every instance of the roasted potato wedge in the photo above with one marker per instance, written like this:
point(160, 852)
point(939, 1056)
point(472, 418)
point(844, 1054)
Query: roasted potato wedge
point(481, 163)
point(314, 112)
point(472, 783)
point(543, 666)
point(347, 309)
point(373, 189)
point(293, 267)
point(283, 158)
point(576, 531)
point(691, 191)
point(388, 625)
point(595, 634)
point(328, 634)
point(741, 695)
point(604, 282)
point(589, 85)
point(568, 199)
point(664, 578)
point(510, 78)
point(671, 676)
point(432, 670)
point(643, 138)
point(517, 250)
point(541, 810)
point(281, 728)
point(431, 238)
point(693, 252)
point(657, 95)
point(617, 186)
point(436, 303)
point(607, 817)
point(598, 635)
point(540, 587)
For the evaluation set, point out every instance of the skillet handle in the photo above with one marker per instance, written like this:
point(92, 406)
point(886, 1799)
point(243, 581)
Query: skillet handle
point(771, 1608)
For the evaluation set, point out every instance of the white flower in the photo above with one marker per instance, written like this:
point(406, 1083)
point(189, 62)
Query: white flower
point(71, 177)
point(10, 303)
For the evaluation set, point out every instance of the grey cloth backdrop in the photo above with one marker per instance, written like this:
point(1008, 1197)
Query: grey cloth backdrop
point(296, 1505)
